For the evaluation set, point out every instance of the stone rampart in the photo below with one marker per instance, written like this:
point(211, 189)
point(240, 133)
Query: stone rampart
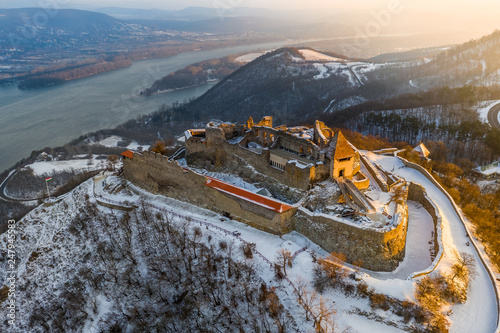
point(379, 249)
point(418, 194)
point(156, 174)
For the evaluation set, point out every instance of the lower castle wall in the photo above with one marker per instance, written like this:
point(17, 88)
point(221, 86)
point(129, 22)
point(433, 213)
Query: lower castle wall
point(417, 193)
point(379, 250)
point(156, 174)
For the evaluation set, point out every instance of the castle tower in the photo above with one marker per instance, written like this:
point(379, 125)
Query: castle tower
point(341, 156)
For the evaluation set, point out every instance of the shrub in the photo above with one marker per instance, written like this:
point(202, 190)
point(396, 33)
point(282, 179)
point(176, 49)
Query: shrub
point(362, 289)
point(379, 301)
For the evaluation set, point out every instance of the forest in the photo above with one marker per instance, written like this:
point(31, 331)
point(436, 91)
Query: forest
point(55, 76)
point(195, 74)
point(155, 272)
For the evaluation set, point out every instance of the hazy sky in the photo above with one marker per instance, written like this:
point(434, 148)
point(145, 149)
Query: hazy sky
point(432, 5)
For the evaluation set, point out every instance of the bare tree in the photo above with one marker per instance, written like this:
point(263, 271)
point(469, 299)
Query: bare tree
point(464, 267)
point(323, 319)
point(308, 301)
point(284, 258)
point(333, 266)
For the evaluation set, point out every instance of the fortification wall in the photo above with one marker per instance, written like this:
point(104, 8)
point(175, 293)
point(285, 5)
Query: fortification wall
point(379, 249)
point(417, 193)
point(156, 174)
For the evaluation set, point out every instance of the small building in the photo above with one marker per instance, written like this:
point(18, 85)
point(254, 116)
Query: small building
point(491, 171)
point(342, 156)
point(129, 154)
point(422, 151)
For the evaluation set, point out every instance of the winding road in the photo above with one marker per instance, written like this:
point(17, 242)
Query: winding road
point(493, 116)
point(4, 197)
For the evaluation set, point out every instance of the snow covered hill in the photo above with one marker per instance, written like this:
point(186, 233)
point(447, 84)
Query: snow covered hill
point(290, 83)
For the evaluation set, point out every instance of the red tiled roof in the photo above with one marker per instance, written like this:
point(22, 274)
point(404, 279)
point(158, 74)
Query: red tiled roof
point(128, 153)
point(236, 191)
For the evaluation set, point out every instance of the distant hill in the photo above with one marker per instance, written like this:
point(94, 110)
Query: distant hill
point(417, 54)
point(70, 20)
point(282, 83)
point(35, 28)
point(476, 63)
point(189, 13)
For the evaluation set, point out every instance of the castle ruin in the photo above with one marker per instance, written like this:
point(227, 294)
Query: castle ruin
point(320, 167)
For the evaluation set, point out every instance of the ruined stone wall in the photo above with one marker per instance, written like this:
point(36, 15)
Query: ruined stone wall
point(418, 194)
point(321, 172)
point(221, 153)
point(156, 174)
point(379, 249)
point(300, 146)
point(375, 174)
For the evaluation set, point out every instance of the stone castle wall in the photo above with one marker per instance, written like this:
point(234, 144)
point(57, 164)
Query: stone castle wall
point(375, 174)
point(156, 174)
point(380, 250)
point(418, 194)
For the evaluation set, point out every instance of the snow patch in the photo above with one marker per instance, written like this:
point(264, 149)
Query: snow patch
point(311, 55)
point(49, 167)
point(251, 56)
point(110, 142)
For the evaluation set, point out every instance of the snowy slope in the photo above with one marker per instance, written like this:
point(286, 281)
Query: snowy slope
point(250, 56)
point(46, 229)
point(48, 167)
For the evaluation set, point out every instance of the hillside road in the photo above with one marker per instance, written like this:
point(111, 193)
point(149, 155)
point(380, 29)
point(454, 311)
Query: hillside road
point(493, 116)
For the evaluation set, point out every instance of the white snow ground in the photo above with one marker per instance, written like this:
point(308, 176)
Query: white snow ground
point(303, 266)
point(48, 167)
point(134, 145)
point(111, 141)
point(479, 313)
point(251, 56)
